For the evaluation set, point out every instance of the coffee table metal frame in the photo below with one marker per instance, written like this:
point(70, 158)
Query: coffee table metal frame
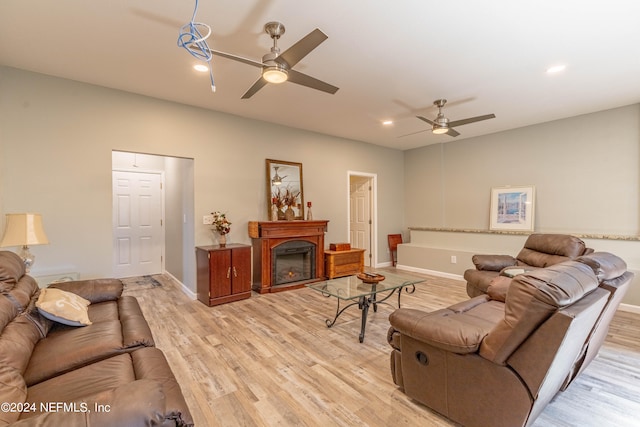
point(364, 295)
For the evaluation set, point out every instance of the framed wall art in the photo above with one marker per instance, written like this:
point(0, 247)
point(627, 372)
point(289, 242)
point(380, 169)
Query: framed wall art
point(512, 208)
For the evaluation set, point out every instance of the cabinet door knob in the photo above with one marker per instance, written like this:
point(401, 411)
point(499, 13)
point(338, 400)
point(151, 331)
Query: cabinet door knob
point(235, 273)
point(228, 272)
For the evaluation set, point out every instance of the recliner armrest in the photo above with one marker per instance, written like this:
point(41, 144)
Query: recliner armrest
point(493, 262)
point(444, 329)
point(94, 290)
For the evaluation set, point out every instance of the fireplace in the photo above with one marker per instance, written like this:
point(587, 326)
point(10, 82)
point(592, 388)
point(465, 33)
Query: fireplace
point(287, 254)
point(293, 261)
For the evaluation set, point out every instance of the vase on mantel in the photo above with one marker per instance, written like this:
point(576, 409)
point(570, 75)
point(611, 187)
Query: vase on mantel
point(289, 214)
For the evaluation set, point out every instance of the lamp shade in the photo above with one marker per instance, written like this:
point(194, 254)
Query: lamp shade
point(24, 229)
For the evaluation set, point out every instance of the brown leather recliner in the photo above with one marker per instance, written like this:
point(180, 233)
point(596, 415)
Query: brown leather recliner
point(105, 374)
point(539, 251)
point(486, 361)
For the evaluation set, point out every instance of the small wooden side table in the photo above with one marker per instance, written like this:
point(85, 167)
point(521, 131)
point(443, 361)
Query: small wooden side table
point(344, 263)
point(223, 273)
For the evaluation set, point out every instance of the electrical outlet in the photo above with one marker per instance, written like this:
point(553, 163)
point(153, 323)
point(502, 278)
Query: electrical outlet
point(207, 219)
point(454, 259)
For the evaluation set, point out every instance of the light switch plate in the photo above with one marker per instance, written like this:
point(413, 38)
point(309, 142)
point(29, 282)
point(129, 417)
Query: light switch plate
point(207, 219)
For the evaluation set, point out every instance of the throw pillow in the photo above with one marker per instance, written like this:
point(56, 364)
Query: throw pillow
point(63, 307)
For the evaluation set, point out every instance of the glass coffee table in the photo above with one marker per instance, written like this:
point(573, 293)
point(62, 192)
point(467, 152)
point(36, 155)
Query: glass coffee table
point(351, 290)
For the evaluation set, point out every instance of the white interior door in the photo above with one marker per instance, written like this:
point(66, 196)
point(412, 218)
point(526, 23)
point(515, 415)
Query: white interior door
point(138, 235)
point(360, 215)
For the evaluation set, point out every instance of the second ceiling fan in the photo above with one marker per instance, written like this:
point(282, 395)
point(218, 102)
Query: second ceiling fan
point(278, 67)
point(441, 124)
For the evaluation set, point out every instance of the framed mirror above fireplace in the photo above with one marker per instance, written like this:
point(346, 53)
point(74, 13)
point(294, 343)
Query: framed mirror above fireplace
point(284, 188)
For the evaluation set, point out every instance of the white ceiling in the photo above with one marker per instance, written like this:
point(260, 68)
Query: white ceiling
point(390, 59)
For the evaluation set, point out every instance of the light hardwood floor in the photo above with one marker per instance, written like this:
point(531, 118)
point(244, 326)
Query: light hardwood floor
point(271, 361)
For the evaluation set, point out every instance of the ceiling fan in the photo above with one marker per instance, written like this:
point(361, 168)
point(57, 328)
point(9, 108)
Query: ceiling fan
point(277, 179)
point(278, 67)
point(442, 125)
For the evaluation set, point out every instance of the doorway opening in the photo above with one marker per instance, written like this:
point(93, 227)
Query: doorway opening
point(153, 215)
point(362, 214)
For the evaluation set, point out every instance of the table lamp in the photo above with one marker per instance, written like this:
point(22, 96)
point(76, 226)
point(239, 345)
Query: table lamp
point(24, 229)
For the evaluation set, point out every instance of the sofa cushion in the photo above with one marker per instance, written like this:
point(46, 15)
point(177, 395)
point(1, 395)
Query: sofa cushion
point(11, 270)
point(66, 349)
point(606, 266)
point(102, 381)
point(63, 307)
point(118, 327)
point(492, 262)
point(543, 250)
point(459, 329)
point(94, 290)
point(82, 383)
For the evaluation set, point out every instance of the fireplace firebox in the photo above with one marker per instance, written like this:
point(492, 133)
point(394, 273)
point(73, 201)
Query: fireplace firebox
point(293, 261)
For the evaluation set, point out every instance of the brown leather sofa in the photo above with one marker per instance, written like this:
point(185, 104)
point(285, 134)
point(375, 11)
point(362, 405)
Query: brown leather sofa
point(498, 359)
point(104, 374)
point(539, 251)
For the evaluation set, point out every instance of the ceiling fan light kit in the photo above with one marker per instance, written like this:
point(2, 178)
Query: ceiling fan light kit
point(275, 74)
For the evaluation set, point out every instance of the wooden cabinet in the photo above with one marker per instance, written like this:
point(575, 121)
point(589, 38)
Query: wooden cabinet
point(344, 263)
point(223, 273)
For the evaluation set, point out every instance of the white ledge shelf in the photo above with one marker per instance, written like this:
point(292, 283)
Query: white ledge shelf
point(526, 233)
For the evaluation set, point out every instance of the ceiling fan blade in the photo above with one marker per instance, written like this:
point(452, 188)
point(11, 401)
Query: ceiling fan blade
point(308, 81)
point(452, 132)
point(295, 53)
point(235, 57)
point(424, 119)
point(259, 84)
point(471, 120)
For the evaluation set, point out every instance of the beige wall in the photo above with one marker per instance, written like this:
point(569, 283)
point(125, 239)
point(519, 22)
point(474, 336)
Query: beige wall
point(586, 171)
point(57, 139)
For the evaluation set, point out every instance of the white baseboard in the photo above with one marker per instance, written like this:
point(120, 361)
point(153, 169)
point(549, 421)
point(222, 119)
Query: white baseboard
point(629, 308)
point(185, 290)
point(430, 272)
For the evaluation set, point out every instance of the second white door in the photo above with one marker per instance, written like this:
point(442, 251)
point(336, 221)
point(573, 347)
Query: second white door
point(360, 215)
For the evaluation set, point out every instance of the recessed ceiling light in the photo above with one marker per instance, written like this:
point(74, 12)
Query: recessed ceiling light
point(387, 122)
point(201, 67)
point(556, 69)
